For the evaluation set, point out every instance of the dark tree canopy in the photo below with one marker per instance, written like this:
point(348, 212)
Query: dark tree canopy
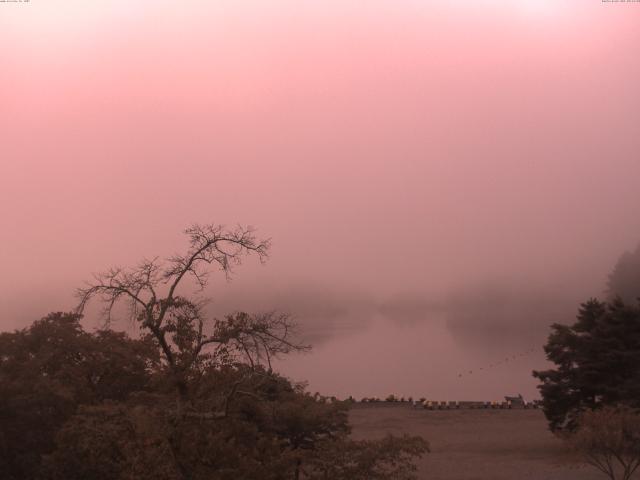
point(597, 362)
point(50, 368)
point(192, 398)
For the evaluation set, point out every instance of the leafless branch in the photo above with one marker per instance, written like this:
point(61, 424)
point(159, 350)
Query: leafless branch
point(150, 291)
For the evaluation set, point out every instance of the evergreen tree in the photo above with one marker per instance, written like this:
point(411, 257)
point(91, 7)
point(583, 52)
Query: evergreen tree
point(624, 281)
point(597, 362)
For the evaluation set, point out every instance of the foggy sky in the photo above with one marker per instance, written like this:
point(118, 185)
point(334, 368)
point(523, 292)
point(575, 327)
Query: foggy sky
point(441, 180)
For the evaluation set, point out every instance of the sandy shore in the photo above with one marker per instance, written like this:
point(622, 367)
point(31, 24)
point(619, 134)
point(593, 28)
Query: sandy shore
point(477, 444)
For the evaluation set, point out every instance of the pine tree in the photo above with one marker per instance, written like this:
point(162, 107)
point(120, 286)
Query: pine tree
point(597, 362)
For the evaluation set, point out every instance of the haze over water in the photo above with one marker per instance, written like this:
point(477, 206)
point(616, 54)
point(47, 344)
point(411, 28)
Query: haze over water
point(441, 180)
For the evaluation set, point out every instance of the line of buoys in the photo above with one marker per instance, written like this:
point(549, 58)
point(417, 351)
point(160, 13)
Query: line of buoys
point(501, 362)
point(508, 404)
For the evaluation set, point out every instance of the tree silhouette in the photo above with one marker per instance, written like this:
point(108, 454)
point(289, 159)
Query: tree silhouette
point(193, 398)
point(48, 370)
point(624, 280)
point(190, 342)
point(596, 362)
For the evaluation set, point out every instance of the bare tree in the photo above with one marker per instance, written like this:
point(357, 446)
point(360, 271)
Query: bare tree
point(609, 439)
point(179, 325)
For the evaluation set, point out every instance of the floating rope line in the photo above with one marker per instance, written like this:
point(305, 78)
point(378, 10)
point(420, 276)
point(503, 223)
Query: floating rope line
point(501, 362)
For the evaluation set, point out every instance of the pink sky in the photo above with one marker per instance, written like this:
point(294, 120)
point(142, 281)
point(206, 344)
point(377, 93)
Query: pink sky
point(402, 151)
